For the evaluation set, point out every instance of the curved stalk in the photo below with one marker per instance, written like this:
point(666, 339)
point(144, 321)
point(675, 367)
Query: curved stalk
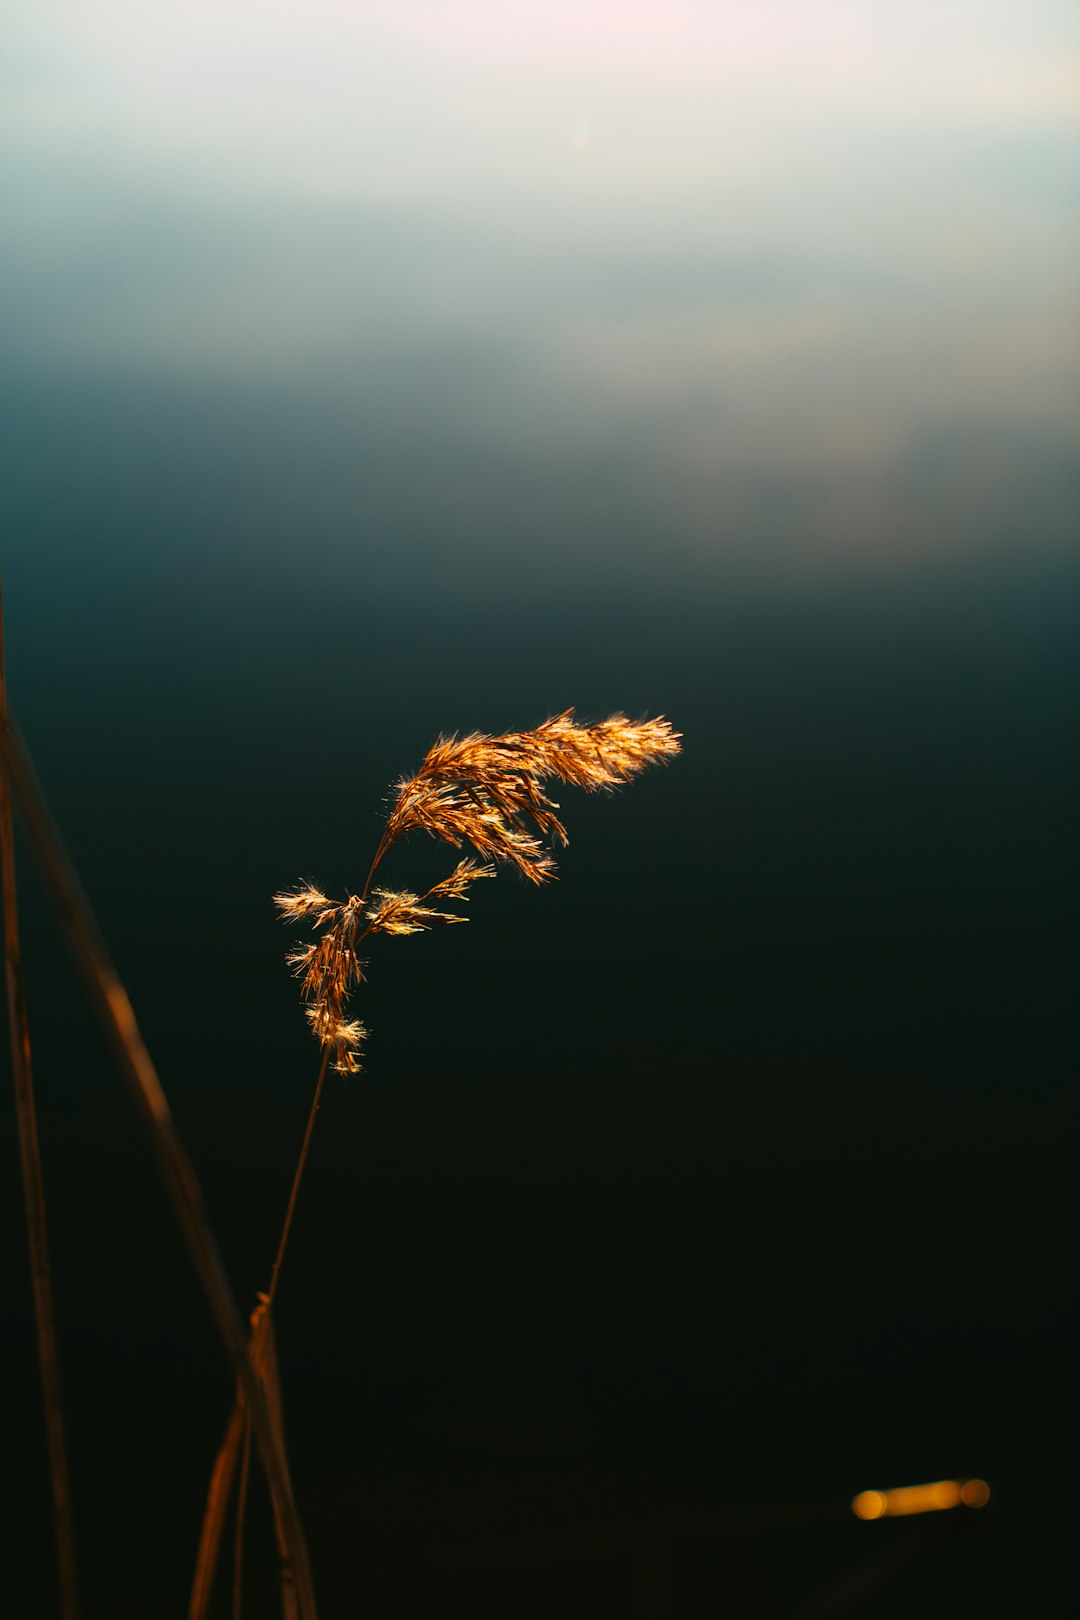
point(34, 1193)
point(111, 1002)
point(260, 1330)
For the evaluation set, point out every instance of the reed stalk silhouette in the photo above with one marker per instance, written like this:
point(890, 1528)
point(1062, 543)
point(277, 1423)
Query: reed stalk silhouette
point(111, 1003)
point(485, 791)
point(34, 1189)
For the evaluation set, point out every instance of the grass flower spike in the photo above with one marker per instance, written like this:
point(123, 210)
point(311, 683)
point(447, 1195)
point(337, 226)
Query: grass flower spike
point(485, 791)
point(328, 969)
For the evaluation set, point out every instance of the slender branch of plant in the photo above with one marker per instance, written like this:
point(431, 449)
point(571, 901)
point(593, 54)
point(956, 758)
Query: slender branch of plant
point(485, 791)
point(113, 1007)
point(34, 1190)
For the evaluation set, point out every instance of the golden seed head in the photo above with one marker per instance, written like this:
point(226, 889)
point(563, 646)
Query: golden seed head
point(305, 902)
point(401, 912)
point(487, 790)
point(478, 790)
point(456, 886)
point(344, 1036)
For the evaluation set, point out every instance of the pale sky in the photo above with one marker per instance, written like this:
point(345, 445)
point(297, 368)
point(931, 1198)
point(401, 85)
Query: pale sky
point(812, 224)
point(352, 98)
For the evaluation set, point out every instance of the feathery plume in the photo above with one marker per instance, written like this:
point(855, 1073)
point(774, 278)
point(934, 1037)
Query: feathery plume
point(343, 1035)
point(328, 969)
point(487, 790)
point(399, 911)
point(478, 790)
point(456, 885)
point(303, 901)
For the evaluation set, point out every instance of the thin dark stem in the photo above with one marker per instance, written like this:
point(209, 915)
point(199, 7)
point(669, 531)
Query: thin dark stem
point(384, 844)
point(241, 1511)
point(271, 1292)
point(260, 1337)
point(114, 1008)
point(217, 1506)
point(34, 1192)
point(298, 1175)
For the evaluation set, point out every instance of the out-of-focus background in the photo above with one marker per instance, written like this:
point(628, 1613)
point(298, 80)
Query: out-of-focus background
point(375, 370)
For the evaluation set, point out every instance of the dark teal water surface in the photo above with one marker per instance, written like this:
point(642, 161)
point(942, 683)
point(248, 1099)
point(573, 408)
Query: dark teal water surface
point(436, 378)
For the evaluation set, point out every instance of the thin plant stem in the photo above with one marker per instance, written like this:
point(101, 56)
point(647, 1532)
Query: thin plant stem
point(226, 1461)
point(271, 1382)
point(241, 1509)
point(298, 1176)
point(309, 1129)
point(486, 791)
point(34, 1192)
point(217, 1506)
point(114, 1008)
point(384, 844)
point(237, 1432)
point(261, 1326)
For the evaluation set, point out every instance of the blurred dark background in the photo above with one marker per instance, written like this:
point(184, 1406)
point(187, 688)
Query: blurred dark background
point(733, 1174)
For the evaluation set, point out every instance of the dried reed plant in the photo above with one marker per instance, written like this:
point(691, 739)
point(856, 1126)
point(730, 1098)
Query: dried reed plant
point(34, 1188)
point(113, 1007)
point(487, 792)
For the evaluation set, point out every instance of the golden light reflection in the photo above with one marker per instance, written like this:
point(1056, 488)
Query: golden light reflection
point(931, 1498)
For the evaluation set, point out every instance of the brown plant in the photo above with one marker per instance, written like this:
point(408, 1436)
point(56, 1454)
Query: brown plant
point(33, 1180)
point(485, 791)
point(251, 1360)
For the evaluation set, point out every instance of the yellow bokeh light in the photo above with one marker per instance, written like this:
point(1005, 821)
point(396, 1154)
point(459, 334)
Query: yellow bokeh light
point(934, 1497)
